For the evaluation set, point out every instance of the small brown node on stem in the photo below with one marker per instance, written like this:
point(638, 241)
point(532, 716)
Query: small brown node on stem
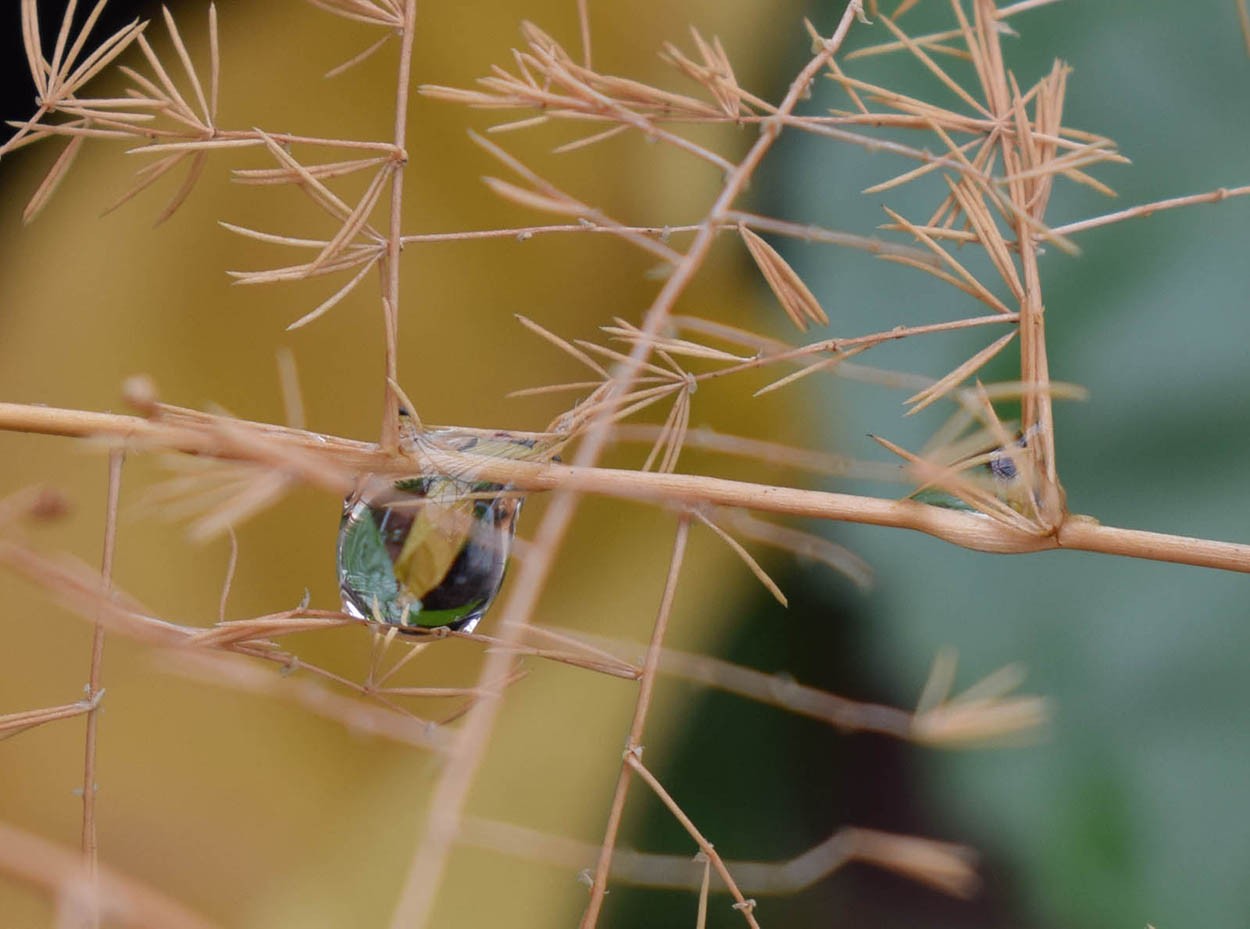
point(49, 504)
point(139, 392)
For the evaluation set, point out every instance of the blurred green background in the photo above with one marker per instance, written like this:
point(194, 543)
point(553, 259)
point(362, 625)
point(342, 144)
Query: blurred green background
point(1131, 811)
point(1135, 808)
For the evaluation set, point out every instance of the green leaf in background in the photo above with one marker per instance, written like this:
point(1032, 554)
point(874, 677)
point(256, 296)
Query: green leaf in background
point(365, 569)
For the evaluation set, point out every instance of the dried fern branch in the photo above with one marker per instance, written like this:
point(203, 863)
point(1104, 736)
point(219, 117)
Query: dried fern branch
point(998, 151)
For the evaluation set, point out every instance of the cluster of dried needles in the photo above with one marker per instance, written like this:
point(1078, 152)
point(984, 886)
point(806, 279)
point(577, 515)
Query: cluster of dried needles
point(997, 151)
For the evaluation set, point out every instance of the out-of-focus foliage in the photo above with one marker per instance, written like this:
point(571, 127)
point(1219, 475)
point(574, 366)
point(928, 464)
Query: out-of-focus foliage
point(1134, 809)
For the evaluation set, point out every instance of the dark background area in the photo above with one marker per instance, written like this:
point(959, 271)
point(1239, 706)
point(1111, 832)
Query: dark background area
point(17, 92)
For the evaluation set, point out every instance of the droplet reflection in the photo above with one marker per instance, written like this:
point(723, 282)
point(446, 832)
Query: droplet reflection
point(425, 552)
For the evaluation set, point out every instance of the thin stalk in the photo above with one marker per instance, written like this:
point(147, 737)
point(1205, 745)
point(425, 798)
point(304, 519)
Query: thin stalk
point(1149, 209)
point(968, 530)
point(90, 839)
point(745, 906)
point(394, 244)
point(633, 744)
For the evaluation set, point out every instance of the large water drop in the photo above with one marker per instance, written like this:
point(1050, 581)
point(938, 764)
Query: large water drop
point(426, 551)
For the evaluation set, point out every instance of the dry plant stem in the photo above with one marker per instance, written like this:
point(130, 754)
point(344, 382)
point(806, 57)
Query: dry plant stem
point(840, 345)
point(770, 689)
point(633, 745)
point(972, 531)
point(700, 920)
point(805, 232)
point(1147, 209)
point(985, 712)
point(941, 865)
point(394, 244)
point(231, 566)
point(90, 846)
point(583, 22)
point(969, 530)
point(446, 806)
point(745, 906)
point(964, 529)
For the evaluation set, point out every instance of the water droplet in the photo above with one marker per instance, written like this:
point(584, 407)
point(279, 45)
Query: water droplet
point(426, 551)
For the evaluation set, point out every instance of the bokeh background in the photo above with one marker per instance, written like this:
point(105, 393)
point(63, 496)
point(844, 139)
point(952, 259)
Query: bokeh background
point(1131, 810)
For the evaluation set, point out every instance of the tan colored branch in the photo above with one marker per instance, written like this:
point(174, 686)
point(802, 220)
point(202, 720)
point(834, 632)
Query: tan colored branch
point(332, 462)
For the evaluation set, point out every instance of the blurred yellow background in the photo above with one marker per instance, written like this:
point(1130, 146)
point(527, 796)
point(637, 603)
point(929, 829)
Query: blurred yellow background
point(252, 811)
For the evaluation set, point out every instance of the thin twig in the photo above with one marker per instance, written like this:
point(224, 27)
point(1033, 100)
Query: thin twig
point(90, 844)
point(941, 865)
point(282, 444)
point(583, 22)
point(633, 742)
point(1149, 209)
point(12, 724)
point(394, 244)
point(743, 905)
point(231, 564)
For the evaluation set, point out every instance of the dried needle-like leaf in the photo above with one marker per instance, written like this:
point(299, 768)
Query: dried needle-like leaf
point(585, 142)
point(287, 176)
point(334, 298)
point(546, 203)
point(947, 867)
point(33, 47)
point(357, 59)
point(146, 176)
point(804, 545)
point(12, 724)
point(794, 296)
point(188, 66)
point(769, 584)
point(362, 12)
point(956, 377)
point(356, 220)
point(198, 161)
point(962, 722)
point(47, 187)
point(966, 281)
point(630, 333)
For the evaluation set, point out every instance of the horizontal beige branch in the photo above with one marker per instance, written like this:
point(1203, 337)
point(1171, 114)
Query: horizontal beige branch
point(329, 457)
point(943, 865)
